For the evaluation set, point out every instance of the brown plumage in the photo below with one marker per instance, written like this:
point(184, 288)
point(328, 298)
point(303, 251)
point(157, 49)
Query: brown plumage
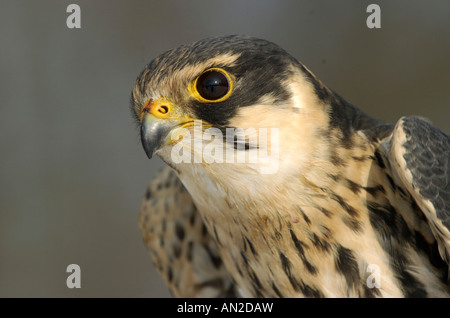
point(354, 207)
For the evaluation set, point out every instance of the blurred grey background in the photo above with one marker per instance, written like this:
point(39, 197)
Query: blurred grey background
point(72, 171)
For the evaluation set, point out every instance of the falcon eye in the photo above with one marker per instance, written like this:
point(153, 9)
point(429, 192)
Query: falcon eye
point(212, 86)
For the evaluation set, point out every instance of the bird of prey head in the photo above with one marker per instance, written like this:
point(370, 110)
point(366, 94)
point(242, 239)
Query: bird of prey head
point(243, 83)
point(345, 194)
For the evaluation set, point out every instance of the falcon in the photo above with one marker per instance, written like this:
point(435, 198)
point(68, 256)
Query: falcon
point(353, 207)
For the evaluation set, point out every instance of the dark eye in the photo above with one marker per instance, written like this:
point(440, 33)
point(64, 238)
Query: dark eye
point(213, 85)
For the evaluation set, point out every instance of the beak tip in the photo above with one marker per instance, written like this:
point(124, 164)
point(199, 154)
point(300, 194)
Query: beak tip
point(148, 146)
point(149, 155)
point(153, 132)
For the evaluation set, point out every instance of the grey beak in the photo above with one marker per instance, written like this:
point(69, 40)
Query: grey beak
point(153, 133)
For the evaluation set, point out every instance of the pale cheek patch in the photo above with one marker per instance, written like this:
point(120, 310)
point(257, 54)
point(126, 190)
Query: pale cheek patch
point(257, 147)
point(303, 94)
point(299, 129)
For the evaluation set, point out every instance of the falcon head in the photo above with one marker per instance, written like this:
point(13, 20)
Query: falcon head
point(237, 83)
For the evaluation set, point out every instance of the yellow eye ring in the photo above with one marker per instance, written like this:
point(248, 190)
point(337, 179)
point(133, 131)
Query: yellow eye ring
point(213, 85)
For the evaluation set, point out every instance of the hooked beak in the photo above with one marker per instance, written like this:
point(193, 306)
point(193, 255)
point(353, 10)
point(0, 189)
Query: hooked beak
point(153, 133)
point(158, 118)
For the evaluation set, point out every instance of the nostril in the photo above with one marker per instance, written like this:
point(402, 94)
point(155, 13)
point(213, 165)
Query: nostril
point(163, 109)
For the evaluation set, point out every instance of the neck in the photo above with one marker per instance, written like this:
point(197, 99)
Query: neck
point(249, 214)
point(314, 231)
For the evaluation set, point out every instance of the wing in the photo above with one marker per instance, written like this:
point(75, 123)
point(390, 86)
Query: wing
point(179, 244)
point(420, 154)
